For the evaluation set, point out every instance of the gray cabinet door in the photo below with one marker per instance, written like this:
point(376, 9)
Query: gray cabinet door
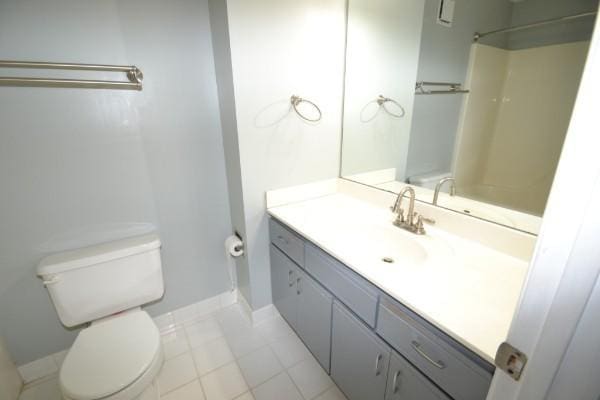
point(314, 318)
point(406, 383)
point(359, 360)
point(284, 274)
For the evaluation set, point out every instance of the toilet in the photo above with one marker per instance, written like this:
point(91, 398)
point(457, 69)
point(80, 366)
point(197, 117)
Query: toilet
point(120, 353)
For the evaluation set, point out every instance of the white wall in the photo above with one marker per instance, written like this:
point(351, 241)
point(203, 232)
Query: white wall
point(83, 166)
point(383, 42)
point(280, 48)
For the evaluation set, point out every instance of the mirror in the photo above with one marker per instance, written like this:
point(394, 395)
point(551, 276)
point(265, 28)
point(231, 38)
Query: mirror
point(473, 94)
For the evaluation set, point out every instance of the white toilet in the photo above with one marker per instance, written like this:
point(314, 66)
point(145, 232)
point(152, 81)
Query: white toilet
point(120, 353)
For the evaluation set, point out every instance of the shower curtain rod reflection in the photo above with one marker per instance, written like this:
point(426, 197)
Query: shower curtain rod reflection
point(478, 35)
point(134, 75)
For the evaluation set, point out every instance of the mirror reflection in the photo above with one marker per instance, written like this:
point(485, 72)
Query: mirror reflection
point(467, 100)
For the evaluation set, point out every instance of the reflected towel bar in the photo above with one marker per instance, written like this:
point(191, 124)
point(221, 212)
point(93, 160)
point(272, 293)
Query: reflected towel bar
point(134, 75)
point(453, 88)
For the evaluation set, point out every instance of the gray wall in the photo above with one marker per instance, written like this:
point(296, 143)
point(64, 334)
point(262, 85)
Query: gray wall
point(444, 58)
point(83, 166)
point(539, 10)
point(222, 52)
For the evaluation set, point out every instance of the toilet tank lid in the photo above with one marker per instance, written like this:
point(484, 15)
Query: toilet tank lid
point(96, 254)
point(433, 176)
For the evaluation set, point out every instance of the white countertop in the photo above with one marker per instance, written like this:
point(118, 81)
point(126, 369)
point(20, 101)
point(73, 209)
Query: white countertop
point(466, 289)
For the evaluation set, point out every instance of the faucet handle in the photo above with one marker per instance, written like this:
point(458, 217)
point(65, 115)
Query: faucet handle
point(420, 229)
point(429, 221)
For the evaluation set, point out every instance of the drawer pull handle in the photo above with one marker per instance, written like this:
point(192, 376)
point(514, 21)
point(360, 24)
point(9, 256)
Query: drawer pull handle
point(282, 239)
point(417, 346)
point(395, 384)
point(291, 278)
point(298, 287)
point(377, 362)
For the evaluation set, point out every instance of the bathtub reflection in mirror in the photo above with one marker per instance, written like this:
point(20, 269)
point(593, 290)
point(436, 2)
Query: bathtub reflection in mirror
point(442, 89)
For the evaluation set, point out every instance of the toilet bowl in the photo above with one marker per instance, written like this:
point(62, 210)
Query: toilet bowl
point(114, 359)
point(120, 353)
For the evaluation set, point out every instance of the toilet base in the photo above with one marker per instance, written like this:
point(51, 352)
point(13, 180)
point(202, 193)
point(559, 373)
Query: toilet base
point(137, 387)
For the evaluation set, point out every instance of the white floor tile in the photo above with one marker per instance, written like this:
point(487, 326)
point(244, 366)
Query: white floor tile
point(47, 390)
point(274, 329)
point(259, 365)
point(290, 350)
point(191, 391)
point(176, 372)
point(203, 331)
point(333, 393)
point(245, 396)
point(310, 378)
point(175, 343)
point(212, 355)
point(244, 341)
point(38, 369)
point(278, 388)
point(225, 383)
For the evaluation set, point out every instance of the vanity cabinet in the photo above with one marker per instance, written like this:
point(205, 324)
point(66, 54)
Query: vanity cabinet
point(373, 347)
point(457, 372)
point(304, 304)
point(404, 382)
point(284, 274)
point(359, 359)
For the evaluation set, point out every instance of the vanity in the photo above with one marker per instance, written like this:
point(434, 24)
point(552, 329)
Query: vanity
point(387, 313)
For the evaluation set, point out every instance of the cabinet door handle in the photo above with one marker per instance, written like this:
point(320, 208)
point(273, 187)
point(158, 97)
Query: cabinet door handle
point(291, 278)
point(298, 287)
point(377, 363)
point(395, 385)
point(417, 346)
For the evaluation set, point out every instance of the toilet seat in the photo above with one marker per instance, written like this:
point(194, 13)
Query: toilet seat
point(114, 359)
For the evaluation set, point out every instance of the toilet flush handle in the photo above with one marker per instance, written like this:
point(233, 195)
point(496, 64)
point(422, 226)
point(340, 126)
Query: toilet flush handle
point(52, 279)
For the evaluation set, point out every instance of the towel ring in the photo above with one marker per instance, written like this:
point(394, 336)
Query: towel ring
point(296, 100)
point(381, 100)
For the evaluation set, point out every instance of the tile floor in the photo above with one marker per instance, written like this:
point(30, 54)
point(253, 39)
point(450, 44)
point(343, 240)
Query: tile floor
point(221, 356)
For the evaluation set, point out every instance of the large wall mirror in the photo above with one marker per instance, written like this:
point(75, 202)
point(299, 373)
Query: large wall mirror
point(472, 97)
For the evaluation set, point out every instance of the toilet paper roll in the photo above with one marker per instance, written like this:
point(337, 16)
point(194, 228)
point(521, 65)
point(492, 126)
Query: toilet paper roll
point(234, 246)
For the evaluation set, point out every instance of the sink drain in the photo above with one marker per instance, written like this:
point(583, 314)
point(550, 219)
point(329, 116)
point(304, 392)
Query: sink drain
point(388, 260)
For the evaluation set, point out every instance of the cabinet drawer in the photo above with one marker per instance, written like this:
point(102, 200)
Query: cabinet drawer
point(352, 290)
point(405, 382)
point(287, 241)
point(453, 371)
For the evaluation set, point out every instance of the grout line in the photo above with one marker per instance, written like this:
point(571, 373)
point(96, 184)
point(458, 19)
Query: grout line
point(294, 383)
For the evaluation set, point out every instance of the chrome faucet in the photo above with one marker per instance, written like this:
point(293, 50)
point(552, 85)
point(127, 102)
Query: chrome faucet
point(408, 222)
point(439, 185)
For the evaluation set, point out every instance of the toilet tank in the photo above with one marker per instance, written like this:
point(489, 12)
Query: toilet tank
point(429, 180)
point(97, 281)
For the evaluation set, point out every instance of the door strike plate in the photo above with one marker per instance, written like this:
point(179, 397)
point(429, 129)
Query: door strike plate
point(510, 360)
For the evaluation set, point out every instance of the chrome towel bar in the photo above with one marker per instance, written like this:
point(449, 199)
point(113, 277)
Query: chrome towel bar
point(133, 73)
